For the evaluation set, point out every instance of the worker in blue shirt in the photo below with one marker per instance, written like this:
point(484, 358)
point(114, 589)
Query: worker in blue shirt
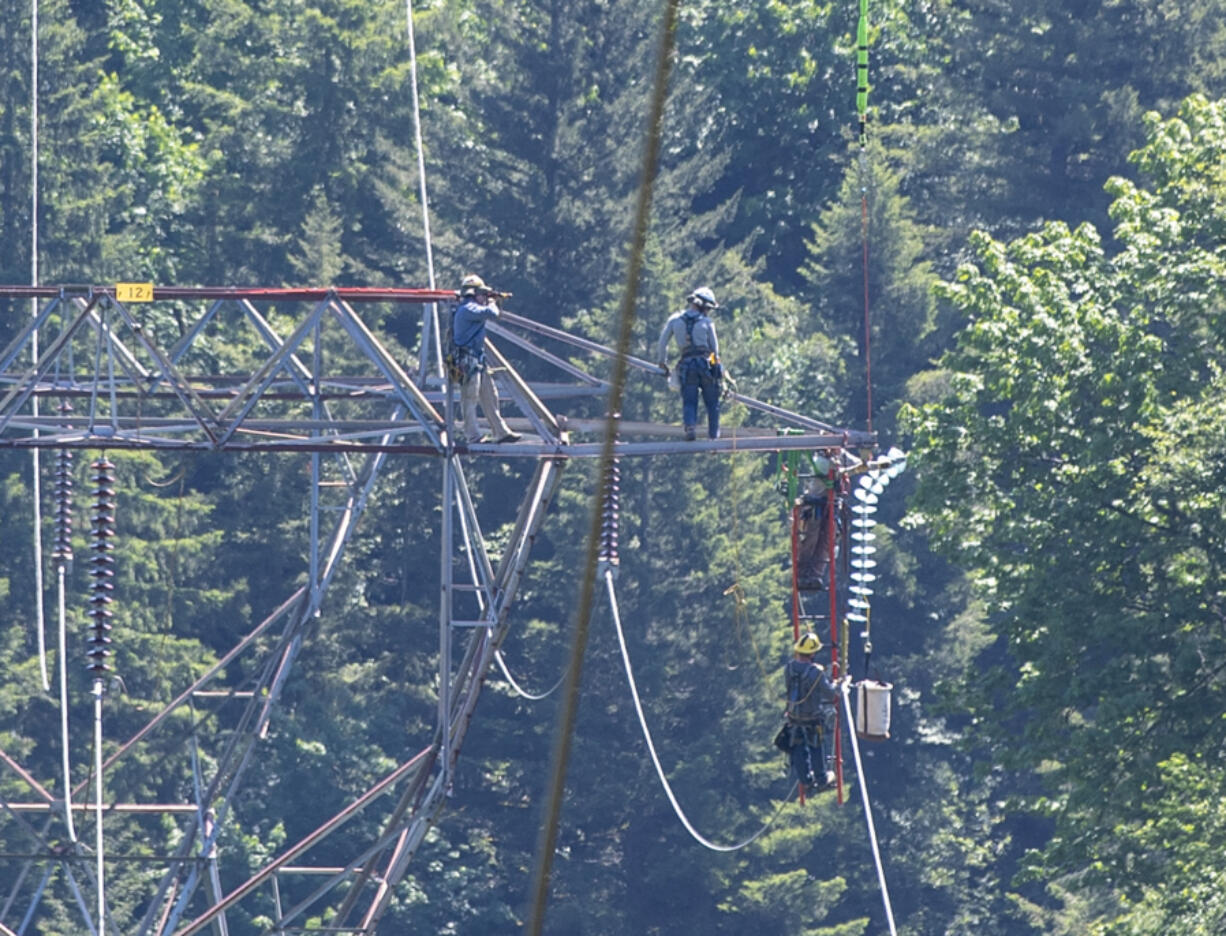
point(478, 304)
point(810, 716)
point(699, 369)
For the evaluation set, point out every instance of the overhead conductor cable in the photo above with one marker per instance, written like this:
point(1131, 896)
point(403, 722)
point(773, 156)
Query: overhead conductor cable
point(608, 565)
point(62, 556)
point(430, 320)
point(651, 748)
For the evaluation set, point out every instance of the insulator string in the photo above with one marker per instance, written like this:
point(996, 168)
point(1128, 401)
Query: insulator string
point(102, 571)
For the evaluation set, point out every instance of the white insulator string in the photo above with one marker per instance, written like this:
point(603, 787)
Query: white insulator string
point(651, 748)
point(868, 812)
point(530, 696)
point(39, 609)
point(431, 325)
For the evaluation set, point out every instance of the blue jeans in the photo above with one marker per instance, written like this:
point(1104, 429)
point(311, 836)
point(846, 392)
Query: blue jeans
point(695, 378)
point(809, 756)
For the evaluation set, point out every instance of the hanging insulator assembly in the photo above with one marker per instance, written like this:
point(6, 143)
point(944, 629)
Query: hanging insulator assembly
point(62, 554)
point(872, 717)
point(101, 564)
point(610, 508)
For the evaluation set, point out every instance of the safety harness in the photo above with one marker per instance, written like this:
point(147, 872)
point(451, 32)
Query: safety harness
point(462, 362)
point(691, 350)
point(692, 353)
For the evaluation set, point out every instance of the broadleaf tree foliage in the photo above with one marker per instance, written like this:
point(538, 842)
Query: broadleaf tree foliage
point(1056, 765)
point(1072, 469)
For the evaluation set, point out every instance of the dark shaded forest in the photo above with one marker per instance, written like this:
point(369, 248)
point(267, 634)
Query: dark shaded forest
point(1046, 244)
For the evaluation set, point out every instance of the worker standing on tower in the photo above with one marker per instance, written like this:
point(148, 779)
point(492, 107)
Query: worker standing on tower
point(478, 304)
point(699, 369)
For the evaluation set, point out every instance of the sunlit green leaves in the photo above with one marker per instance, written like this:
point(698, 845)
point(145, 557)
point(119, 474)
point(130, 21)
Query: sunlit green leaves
point(1071, 467)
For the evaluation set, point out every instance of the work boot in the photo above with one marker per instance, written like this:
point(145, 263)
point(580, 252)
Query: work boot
point(511, 437)
point(689, 434)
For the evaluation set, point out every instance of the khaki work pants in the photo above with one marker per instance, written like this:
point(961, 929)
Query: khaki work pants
point(481, 385)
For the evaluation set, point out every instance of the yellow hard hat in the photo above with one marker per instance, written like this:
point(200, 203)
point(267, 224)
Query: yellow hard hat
point(809, 643)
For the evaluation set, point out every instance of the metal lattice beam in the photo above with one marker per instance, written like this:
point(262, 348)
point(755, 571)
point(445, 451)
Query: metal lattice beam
point(330, 386)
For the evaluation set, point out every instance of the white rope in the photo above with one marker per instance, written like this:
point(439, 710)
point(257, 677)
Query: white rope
point(531, 697)
point(425, 202)
point(39, 610)
point(868, 813)
point(63, 649)
point(651, 748)
point(98, 840)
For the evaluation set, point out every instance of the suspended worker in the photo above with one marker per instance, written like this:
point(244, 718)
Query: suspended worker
point(478, 303)
point(699, 369)
point(813, 533)
point(810, 716)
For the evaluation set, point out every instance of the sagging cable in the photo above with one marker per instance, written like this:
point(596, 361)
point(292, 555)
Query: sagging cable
point(530, 696)
point(651, 748)
point(62, 556)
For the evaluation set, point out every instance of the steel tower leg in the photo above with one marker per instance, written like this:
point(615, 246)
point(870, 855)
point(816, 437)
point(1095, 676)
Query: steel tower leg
point(419, 807)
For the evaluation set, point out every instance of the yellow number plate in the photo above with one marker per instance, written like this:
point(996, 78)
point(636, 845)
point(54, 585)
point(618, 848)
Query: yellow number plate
point(134, 292)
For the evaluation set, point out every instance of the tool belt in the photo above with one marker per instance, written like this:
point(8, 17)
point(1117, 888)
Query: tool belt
point(463, 363)
point(793, 734)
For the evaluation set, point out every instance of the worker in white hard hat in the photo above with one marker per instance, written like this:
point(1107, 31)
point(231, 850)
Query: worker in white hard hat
point(478, 304)
point(699, 370)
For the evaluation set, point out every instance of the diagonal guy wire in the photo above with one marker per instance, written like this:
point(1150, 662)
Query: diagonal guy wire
point(626, 318)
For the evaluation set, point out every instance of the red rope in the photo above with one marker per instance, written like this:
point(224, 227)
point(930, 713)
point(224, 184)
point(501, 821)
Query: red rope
point(795, 588)
point(796, 596)
point(868, 337)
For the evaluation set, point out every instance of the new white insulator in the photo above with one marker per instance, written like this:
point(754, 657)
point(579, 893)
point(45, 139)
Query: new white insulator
point(865, 495)
point(863, 577)
point(860, 590)
point(864, 509)
point(858, 618)
point(864, 550)
point(864, 537)
point(863, 522)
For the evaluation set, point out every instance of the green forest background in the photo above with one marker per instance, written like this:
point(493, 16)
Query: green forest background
point(1046, 184)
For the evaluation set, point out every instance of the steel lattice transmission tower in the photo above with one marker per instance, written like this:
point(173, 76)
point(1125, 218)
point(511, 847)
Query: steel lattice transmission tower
point(118, 388)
